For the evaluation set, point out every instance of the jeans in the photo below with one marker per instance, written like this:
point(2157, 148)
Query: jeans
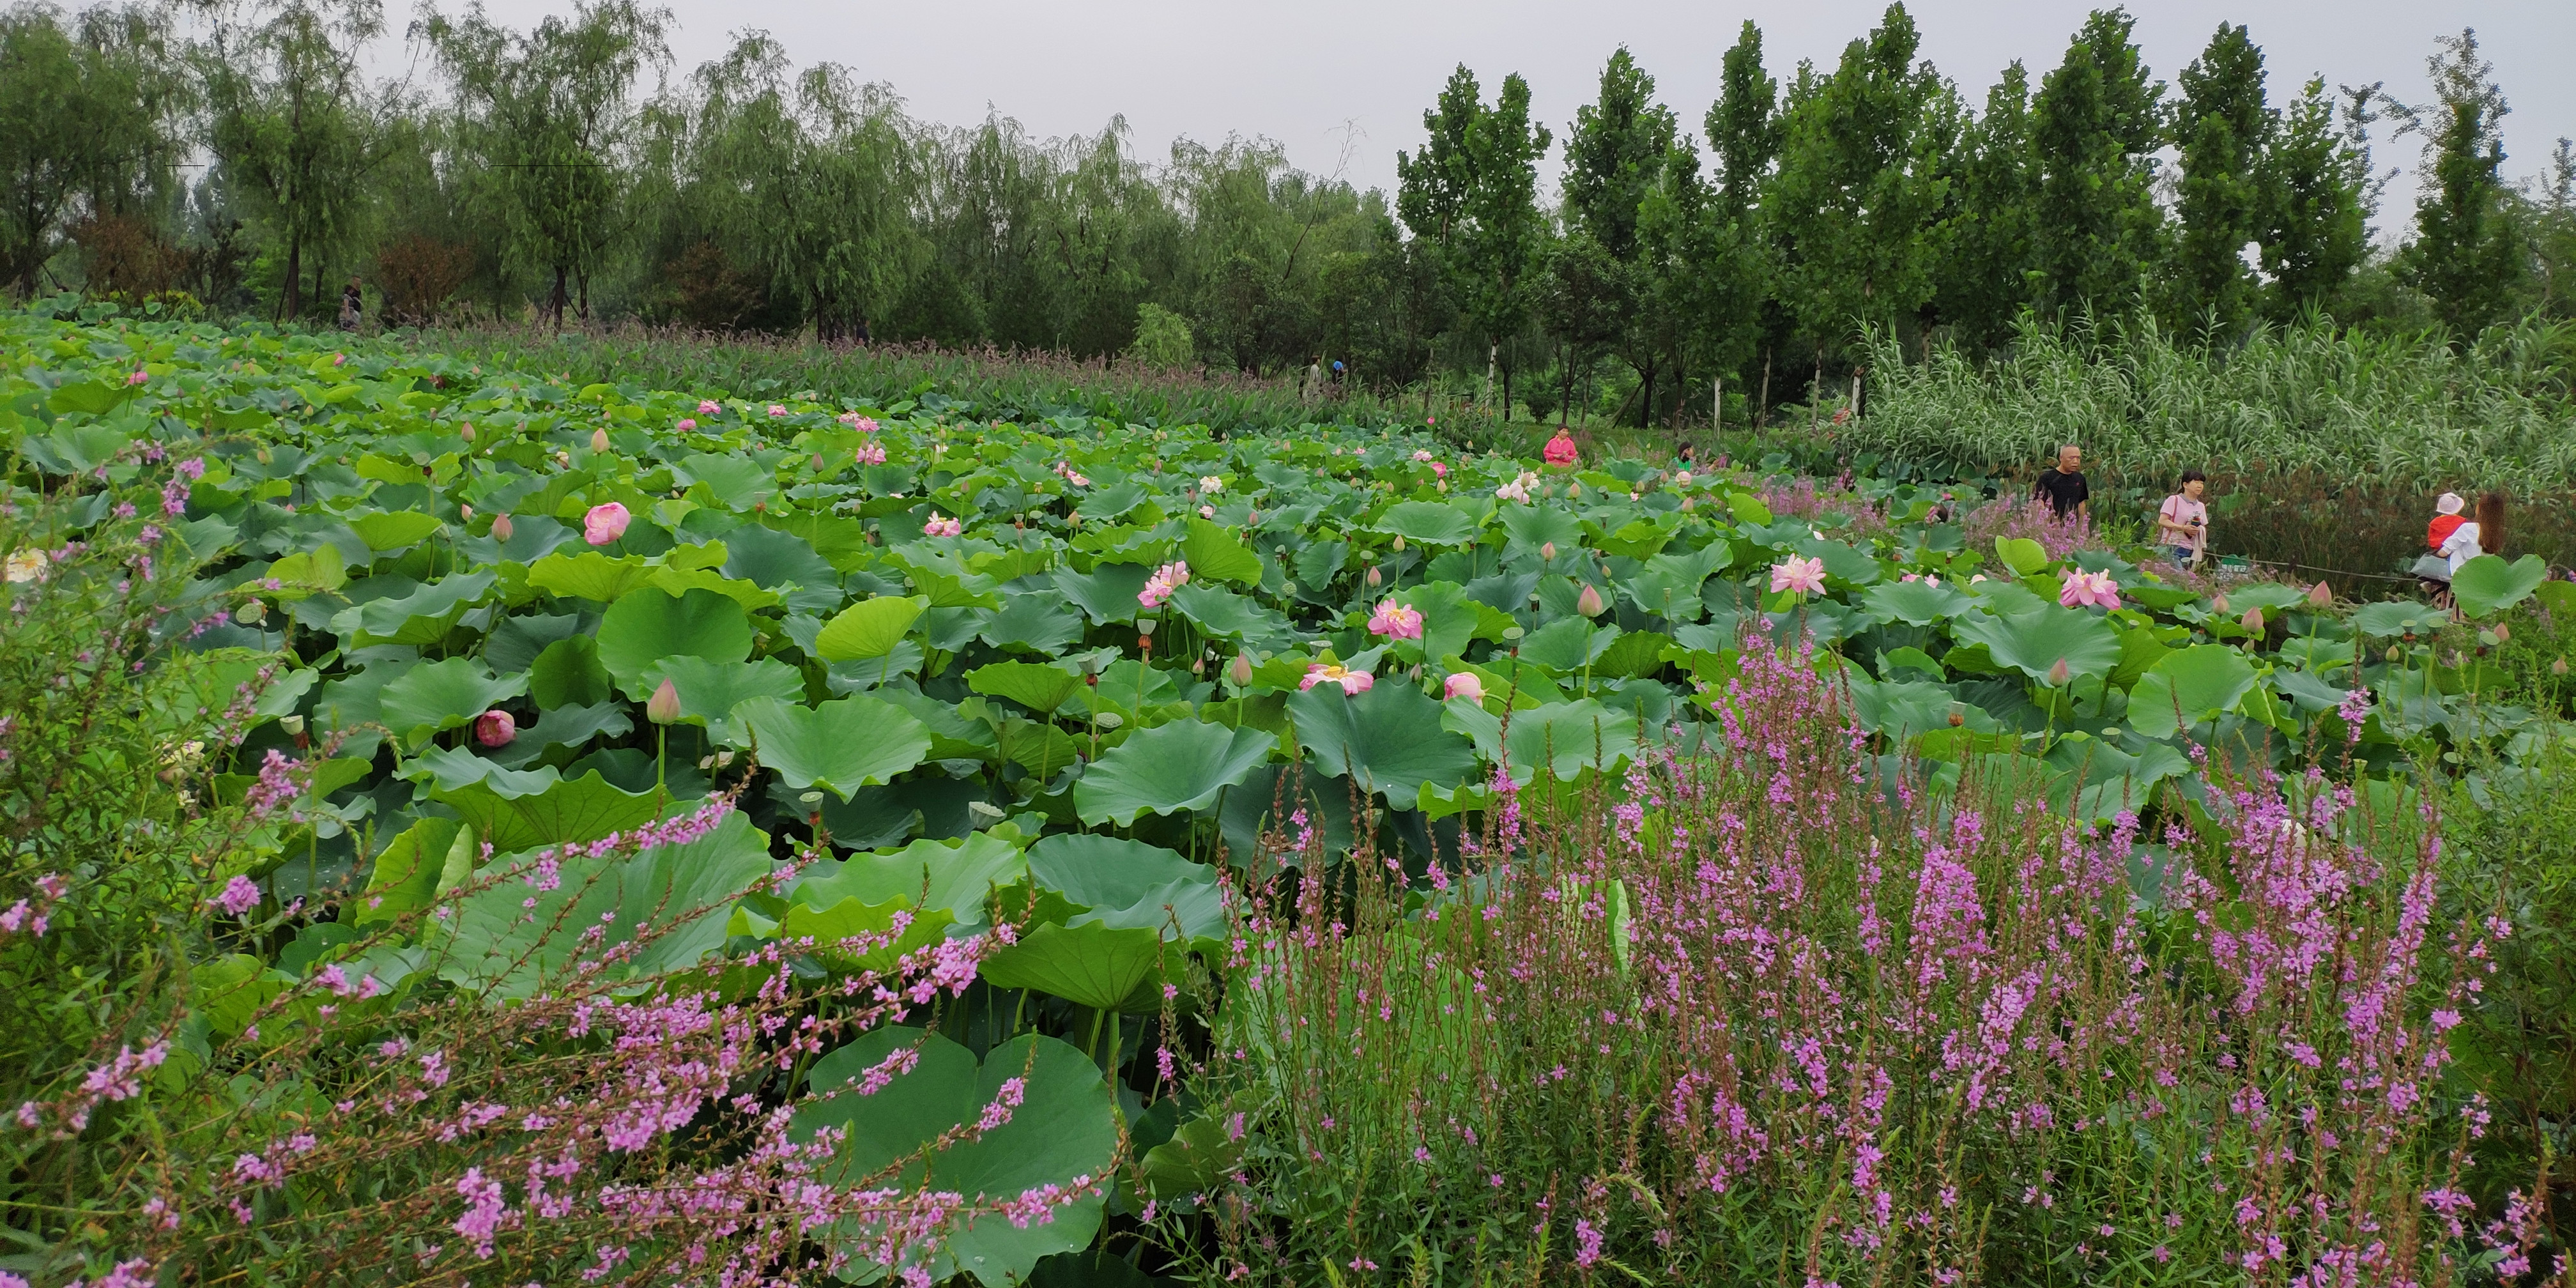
point(2183, 556)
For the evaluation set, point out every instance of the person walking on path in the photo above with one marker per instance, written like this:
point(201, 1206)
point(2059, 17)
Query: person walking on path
point(2063, 487)
point(1313, 382)
point(353, 306)
point(2182, 522)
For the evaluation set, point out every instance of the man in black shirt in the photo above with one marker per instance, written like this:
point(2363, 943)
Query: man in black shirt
point(2064, 488)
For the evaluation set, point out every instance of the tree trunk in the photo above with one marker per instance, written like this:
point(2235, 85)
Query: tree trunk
point(1762, 412)
point(1565, 405)
point(555, 301)
point(1816, 394)
point(1717, 405)
point(1493, 351)
point(294, 276)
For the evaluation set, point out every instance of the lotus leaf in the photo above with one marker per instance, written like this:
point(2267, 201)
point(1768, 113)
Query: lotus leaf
point(1184, 765)
point(648, 625)
point(1387, 740)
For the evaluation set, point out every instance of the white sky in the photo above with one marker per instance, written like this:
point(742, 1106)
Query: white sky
point(1343, 84)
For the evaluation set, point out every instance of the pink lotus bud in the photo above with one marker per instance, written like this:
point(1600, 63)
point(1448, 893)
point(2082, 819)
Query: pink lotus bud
point(1589, 602)
point(2058, 675)
point(605, 523)
point(501, 527)
point(599, 440)
point(2321, 595)
point(138, 377)
point(1548, 552)
point(2502, 633)
point(1241, 671)
point(1399, 545)
point(465, 512)
point(466, 431)
point(2252, 620)
point(2558, 667)
point(2218, 603)
point(1375, 578)
point(664, 706)
point(1464, 684)
point(495, 728)
point(687, 426)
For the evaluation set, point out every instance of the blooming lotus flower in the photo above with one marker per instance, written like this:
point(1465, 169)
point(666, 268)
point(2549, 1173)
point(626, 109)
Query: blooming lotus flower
point(1440, 472)
point(1396, 621)
point(26, 566)
point(495, 728)
point(941, 525)
point(664, 706)
point(1207, 512)
point(1354, 683)
point(1796, 574)
point(687, 426)
point(1422, 454)
point(870, 452)
point(2089, 589)
point(1560, 450)
point(710, 407)
point(138, 377)
point(605, 523)
point(1589, 602)
point(1166, 579)
point(1464, 684)
point(1211, 484)
point(1682, 479)
point(776, 411)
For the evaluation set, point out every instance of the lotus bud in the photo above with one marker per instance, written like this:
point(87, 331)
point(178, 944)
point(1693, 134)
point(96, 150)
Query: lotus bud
point(466, 431)
point(1198, 666)
point(1399, 545)
point(1464, 684)
point(250, 611)
point(1574, 492)
point(2502, 633)
point(2253, 619)
point(1241, 671)
point(1548, 552)
point(664, 706)
point(2395, 653)
point(1589, 602)
point(501, 527)
point(1375, 578)
point(599, 440)
point(2058, 675)
point(1687, 504)
point(2321, 595)
point(2218, 603)
point(2558, 667)
point(495, 728)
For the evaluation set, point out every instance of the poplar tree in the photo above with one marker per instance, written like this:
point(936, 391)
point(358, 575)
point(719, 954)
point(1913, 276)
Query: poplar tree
point(2224, 128)
point(2466, 254)
point(1615, 155)
point(1985, 282)
point(1433, 183)
point(2095, 129)
point(1505, 231)
point(2315, 179)
point(1744, 123)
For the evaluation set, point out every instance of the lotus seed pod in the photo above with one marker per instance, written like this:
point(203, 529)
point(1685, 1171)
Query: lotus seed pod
point(1589, 602)
point(293, 725)
point(1145, 626)
point(599, 440)
point(664, 706)
point(250, 611)
point(501, 527)
point(2321, 595)
point(2058, 675)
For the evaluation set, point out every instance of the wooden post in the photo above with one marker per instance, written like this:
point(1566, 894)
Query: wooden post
point(1717, 404)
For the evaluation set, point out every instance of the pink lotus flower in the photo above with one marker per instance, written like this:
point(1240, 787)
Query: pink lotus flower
point(2089, 589)
point(1396, 621)
point(138, 377)
point(863, 424)
point(1354, 683)
point(776, 411)
point(688, 426)
point(1207, 512)
point(941, 525)
point(605, 523)
point(495, 728)
point(1464, 684)
point(871, 452)
point(1166, 579)
point(1589, 602)
point(1439, 471)
point(1796, 574)
point(710, 407)
point(1560, 449)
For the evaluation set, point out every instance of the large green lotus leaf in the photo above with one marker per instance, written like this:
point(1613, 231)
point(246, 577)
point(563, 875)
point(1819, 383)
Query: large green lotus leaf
point(949, 876)
point(568, 674)
point(839, 746)
point(516, 641)
point(679, 581)
point(1843, 561)
point(1109, 502)
point(443, 695)
point(394, 529)
point(451, 769)
point(2189, 687)
point(1636, 654)
point(958, 730)
point(516, 937)
point(1429, 522)
point(406, 876)
point(589, 575)
point(710, 690)
point(421, 617)
point(1387, 740)
point(2487, 585)
point(1915, 603)
point(1905, 708)
point(649, 625)
point(2021, 554)
point(1106, 593)
point(1064, 1130)
point(1184, 765)
point(1039, 686)
point(580, 809)
point(737, 482)
point(869, 628)
point(1090, 965)
point(566, 726)
point(1128, 687)
point(1668, 585)
point(1108, 871)
point(941, 581)
point(780, 561)
point(1568, 644)
point(1038, 624)
point(1184, 910)
point(2035, 641)
point(1567, 737)
point(1533, 526)
point(1223, 614)
point(1219, 554)
point(1450, 620)
point(2399, 617)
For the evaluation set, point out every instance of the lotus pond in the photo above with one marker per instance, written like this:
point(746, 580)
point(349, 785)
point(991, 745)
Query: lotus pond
point(863, 681)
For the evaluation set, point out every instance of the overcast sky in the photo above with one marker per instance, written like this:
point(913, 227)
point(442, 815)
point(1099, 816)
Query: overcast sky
point(1343, 83)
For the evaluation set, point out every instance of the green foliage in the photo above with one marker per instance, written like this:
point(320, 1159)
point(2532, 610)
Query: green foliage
point(1162, 338)
point(2094, 127)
